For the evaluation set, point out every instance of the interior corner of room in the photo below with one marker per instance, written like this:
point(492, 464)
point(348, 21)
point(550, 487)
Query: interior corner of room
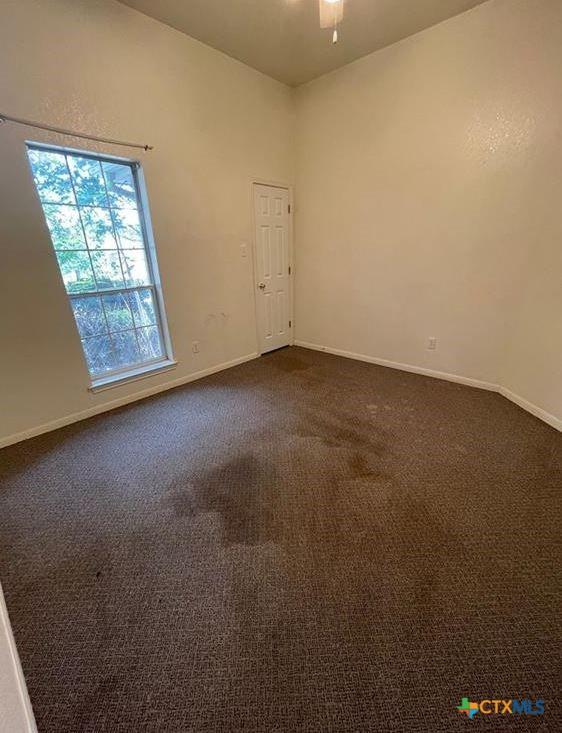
point(426, 235)
point(306, 209)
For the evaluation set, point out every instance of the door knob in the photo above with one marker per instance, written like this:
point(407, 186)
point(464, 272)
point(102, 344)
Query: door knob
point(261, 286)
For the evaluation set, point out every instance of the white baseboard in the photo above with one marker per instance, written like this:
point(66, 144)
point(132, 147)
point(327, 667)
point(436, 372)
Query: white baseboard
point(469, 381)
point(402, 367)
point(106, 406)
point(16, 714)
point(547, 417)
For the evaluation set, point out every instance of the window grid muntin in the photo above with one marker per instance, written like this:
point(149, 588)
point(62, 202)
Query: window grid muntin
point(99, 292)
point(90, 260)
point(108, 332)
point(120, 291)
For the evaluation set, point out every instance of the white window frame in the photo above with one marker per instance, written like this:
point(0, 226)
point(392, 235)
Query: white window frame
point(114, 377)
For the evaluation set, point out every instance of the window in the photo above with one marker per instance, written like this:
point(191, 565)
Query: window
point(93, 209)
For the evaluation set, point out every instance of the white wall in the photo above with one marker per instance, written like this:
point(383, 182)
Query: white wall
point(16, 715)
point(428, 201)
point(98, 66)
point(532, 360)
point(427, 195)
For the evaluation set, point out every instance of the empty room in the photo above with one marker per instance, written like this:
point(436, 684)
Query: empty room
point(281, 375)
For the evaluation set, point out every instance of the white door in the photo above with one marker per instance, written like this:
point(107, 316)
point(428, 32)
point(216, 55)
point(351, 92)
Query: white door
point(272, 267)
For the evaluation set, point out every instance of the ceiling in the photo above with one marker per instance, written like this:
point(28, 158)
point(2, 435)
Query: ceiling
point(282, 38)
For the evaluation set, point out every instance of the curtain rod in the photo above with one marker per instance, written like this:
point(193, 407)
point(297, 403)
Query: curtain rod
point(62, 131)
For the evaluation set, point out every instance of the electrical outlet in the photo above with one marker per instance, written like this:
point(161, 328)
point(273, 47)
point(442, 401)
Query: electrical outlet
point(432, 343)
point(244, 249)
point(195, 347)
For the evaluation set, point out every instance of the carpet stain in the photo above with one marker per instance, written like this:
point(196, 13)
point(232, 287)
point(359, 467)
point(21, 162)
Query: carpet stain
point(285, 363)
point(359, 466)
point(238, 491)
point(272, 549)
point(343, 431)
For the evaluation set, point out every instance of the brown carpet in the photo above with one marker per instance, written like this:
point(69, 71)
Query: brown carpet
point(301, 543)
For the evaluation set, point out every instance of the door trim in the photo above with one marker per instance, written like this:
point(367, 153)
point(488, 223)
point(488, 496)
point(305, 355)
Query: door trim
point(290, 233)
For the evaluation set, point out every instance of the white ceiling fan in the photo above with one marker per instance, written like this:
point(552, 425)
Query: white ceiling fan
point(331, 13)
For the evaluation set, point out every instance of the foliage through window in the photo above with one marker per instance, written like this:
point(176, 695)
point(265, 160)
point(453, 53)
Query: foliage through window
point(94, 214)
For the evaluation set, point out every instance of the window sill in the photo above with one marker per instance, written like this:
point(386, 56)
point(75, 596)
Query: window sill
point(133, 375)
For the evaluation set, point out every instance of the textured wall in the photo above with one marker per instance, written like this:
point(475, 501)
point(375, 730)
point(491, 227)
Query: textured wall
point(428, 195)
point(429, 187)
point(98, 66)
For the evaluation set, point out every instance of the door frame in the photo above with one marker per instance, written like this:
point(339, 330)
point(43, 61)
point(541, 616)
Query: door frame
point(290, 233)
